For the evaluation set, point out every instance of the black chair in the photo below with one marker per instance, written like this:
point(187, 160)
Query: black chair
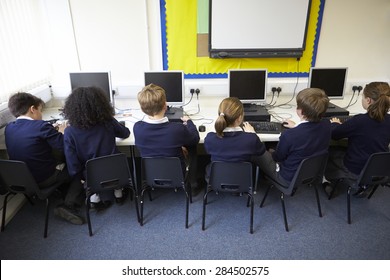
point(376, 172)
point(16, 178)
point(231, 177)
point(309, 173)
point(108, 173)
point(163, 172)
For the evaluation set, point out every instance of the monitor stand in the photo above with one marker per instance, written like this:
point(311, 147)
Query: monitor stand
point(334, 110)
point(174, 114)
point(253, 112)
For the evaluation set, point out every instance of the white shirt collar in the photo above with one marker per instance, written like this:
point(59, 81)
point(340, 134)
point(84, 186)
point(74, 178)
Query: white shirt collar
point(232, 129)
point(163, 120)
point(303, 121)
point(24, 118)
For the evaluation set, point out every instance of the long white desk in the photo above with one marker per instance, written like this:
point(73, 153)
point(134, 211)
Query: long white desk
point(202, 112)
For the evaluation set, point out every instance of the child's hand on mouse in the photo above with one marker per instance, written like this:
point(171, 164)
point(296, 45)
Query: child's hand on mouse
point(288, 123)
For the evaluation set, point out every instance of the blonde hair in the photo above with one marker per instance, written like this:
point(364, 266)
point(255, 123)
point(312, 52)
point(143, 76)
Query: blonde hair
point(313, 102)
point(379, 92)
point(229, 111)
point(152, 99)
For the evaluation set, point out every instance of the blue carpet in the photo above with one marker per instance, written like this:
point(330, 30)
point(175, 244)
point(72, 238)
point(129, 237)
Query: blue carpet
point(117, 234)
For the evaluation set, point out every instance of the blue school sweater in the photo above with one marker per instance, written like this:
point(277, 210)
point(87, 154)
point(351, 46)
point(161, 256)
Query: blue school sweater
point(33, 141)
point(365, 137)
point(84, 144)
point(295, 144)
point(235, 146)
point(164, 138)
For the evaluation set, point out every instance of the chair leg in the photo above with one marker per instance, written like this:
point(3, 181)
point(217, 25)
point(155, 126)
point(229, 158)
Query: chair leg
point(204, 210)
point(318, 201)
point(252, 208)
point(187, 207)
point(284, 211)
point(372, 191)
point(141, 219)
point(349, 204)
point(46, 217)
point(4, 211)
point(87, 208)
point(265, 196)
point(136, 205)
point(189, 190)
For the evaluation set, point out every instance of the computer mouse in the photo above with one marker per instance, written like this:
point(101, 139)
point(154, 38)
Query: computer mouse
point(202, 128)
point(284, 124)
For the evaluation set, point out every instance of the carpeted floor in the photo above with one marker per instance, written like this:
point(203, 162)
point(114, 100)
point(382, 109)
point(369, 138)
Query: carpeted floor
point(117, 234)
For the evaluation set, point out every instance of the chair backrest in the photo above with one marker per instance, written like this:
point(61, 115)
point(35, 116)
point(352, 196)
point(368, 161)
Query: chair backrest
point(162, 172)
point(310, 171)
point(107, 173)
point(376, 170)
point(231, 176)
point(16, 177)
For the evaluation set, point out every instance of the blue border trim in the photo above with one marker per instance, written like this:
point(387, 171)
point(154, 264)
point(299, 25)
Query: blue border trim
point(163, 16)
point(318, 31)
point(224, 75)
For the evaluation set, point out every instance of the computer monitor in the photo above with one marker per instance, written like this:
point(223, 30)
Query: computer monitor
point(331, 80)
point(172, 82)
point(248, 85)
point(97, 79)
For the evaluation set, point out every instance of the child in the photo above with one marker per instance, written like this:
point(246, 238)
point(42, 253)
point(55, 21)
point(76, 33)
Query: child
point(155, 136)
point(309, 137)
point(230, 142)
point(91, 133)
point(36, 142)
point(367, 134)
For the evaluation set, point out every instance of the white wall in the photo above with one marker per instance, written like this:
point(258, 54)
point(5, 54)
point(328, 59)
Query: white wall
point(355, 33)
point(97, 35)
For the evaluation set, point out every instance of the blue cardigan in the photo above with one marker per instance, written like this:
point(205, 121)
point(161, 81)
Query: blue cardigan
point(295, 144)
point(365, 137)
point(33, 142)
point(84, 144)
point(234, 146)
point(164, 139)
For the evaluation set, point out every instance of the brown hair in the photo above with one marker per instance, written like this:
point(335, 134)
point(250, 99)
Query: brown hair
point(152, 99)
point(379, 92)
point(20, 103)
point(229, 111)
point(313, 102)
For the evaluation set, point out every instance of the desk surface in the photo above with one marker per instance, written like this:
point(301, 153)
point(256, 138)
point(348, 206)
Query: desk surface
point(202, 112)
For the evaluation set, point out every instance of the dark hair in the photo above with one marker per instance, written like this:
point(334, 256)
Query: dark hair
point(229, 111)
point(20, 102)
point(86, 107)
point(313, 102)
point(379, 92)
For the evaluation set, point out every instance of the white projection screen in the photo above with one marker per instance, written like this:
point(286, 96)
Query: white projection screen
point(258, 28)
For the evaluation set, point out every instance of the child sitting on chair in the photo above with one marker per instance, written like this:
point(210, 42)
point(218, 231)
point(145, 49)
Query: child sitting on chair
point(156, 136)
point(366, 133)
point(91, 133)
point(234, 140)
point(309, 137)
point(41, 147)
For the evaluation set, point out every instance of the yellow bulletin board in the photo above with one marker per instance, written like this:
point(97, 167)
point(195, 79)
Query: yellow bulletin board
point(183, 25)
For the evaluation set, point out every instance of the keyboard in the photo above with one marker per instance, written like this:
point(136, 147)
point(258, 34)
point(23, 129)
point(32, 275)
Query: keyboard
point(267, 127)
point(343, 118)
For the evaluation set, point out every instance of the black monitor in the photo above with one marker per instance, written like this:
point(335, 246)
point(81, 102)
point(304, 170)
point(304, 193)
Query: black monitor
point(172, 82)
point(331, 80)
point(248, 85)
point(97, 79)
